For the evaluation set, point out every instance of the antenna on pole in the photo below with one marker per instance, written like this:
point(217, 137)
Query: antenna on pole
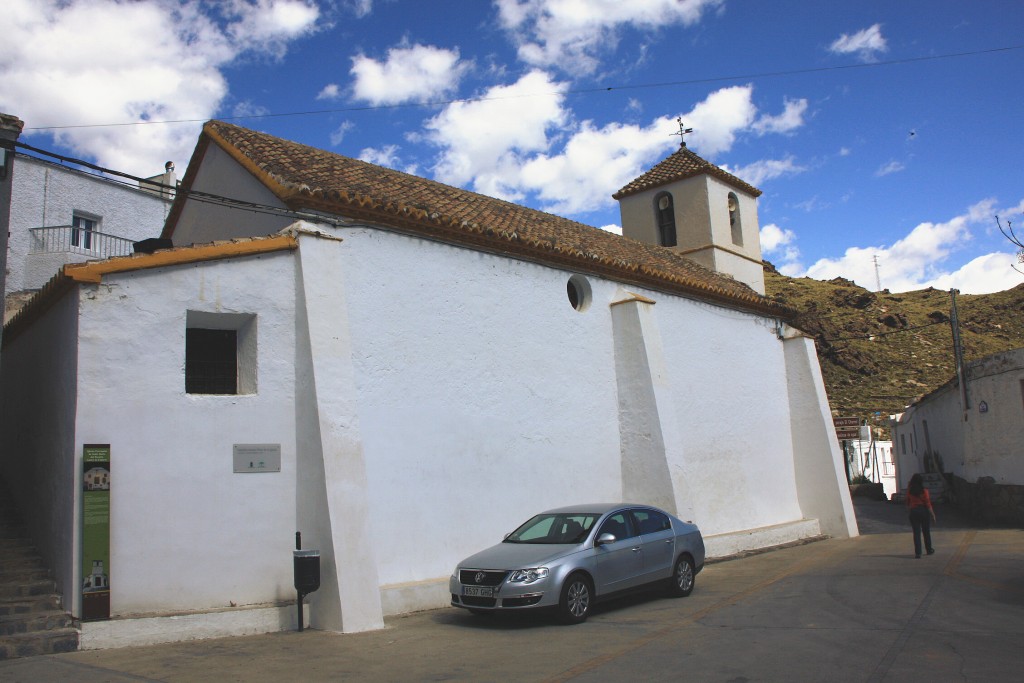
point(683, 130)
point(878, 278)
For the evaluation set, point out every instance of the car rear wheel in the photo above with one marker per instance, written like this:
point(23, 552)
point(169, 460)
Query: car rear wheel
point(683, 578)
point(577, 598)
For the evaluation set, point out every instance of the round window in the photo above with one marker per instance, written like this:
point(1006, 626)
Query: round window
point(578, 289)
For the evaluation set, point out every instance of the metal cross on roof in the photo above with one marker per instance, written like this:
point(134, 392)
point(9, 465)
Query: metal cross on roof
point(683, 130)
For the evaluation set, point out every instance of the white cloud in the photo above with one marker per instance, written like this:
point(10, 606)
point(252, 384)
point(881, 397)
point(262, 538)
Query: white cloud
point(360, 8)
point(246, 108)
point(613, 228)
point(339, 133)
point(146, 60)
point(719, 118)
point(766, 169)
point(594, 163)
point(866, 44)
point(983, 275)
point(573, 167)
point(331, 91)
point(384, 156)
point(779, 244)
point(891, 167)
point(270, 24)
point(411, 73)
point(484, 140)
point(789, 120)
point(919, 260)
point(571, 35)
point(774, 238)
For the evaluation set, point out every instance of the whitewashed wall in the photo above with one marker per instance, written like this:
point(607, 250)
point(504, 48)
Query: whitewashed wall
point(485, 397)
point(188, 533)
point(995, 437)
point(929, 427)
point(972, 443)
point(427, 400)
point(46, 194)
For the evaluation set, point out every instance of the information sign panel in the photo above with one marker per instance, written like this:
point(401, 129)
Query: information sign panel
point(95, 532)
point(847, 428)
point(256, 457)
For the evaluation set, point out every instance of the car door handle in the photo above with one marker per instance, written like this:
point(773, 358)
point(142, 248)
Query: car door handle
point(668, 541)
point(636, 549)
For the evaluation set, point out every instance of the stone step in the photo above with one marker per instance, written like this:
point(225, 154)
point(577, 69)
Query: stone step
point(34, 621)
point(24, 552)
point(23, 573)
point(11, 541)
point(26, 605)
point(38, 643)
point(18, 560)
point(28, 589)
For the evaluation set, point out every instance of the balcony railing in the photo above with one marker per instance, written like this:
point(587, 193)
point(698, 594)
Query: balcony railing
point(69, 239)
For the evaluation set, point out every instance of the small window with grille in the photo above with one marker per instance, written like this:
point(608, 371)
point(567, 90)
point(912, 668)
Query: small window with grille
point(220, 353)
point(211, 361)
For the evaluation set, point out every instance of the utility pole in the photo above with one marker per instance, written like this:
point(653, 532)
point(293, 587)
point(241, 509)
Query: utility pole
point(958, 350)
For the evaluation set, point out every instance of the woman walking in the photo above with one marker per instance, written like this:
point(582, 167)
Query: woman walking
point(919, 503)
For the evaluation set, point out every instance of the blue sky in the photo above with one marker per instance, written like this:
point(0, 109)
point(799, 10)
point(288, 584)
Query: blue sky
point(885, 132)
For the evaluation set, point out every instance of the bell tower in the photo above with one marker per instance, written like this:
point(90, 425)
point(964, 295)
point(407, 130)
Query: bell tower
point(698, 210)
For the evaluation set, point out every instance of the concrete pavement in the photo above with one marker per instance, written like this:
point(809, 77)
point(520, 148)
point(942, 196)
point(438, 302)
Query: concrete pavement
point(861, 609)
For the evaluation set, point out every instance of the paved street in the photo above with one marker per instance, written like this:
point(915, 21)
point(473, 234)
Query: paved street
point(839, 610)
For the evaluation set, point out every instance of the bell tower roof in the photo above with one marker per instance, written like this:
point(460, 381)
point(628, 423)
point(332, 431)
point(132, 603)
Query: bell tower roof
point(682, 164)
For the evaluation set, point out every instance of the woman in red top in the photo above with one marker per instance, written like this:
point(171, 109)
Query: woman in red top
point(920, 505)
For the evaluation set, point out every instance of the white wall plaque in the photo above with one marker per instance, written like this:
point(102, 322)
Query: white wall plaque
point(257, 457)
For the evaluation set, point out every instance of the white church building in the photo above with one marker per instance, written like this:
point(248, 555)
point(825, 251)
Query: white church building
point(420, 368)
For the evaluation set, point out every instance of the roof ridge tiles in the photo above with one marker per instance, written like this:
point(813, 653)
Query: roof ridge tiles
point(306, 177)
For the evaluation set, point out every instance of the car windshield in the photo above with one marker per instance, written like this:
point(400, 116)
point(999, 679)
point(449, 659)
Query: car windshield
point(566, 528)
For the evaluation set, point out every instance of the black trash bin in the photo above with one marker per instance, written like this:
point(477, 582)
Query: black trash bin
point(307, 570)
point(307, 575)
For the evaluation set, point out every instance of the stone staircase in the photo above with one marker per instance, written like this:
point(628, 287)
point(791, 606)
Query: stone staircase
point(31, 619)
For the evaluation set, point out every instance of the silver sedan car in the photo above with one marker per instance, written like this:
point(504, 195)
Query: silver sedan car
point(569, 557)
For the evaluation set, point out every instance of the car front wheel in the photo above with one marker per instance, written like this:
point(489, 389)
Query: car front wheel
point(577, 598)
point(683, 578)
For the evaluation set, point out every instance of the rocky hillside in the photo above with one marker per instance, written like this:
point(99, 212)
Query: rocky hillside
point(879, 351)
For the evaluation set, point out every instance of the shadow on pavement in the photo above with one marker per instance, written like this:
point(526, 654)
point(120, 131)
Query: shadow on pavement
point(884, 517)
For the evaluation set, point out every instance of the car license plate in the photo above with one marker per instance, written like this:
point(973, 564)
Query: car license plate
point(478, 591)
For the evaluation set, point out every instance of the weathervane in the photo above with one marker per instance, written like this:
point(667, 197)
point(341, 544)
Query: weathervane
point(682, 131)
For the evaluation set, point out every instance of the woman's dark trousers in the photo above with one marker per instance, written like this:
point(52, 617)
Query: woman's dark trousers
point(921, 521)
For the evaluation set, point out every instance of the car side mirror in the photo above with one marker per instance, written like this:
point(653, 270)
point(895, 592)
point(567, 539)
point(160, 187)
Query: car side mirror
point(605, 538)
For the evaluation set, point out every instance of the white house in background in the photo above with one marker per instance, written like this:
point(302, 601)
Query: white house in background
point(61, 214)
point(874, 459)
point(430, 367)
point(973, 436)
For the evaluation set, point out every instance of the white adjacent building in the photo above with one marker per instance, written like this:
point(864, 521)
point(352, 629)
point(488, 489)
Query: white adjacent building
point(426, 368)
point(61, 214)
point(972, 433)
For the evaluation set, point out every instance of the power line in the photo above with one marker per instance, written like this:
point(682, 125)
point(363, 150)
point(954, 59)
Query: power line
point(886, 334)
point(571, 91)
point(122, 178)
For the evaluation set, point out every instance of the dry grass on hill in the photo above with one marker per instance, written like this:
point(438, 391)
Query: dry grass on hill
point(880, 351)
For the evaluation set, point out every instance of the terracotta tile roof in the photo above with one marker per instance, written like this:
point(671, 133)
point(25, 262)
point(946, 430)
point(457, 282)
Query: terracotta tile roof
point(682, 164)
point(307, 178)
point(92, 272)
